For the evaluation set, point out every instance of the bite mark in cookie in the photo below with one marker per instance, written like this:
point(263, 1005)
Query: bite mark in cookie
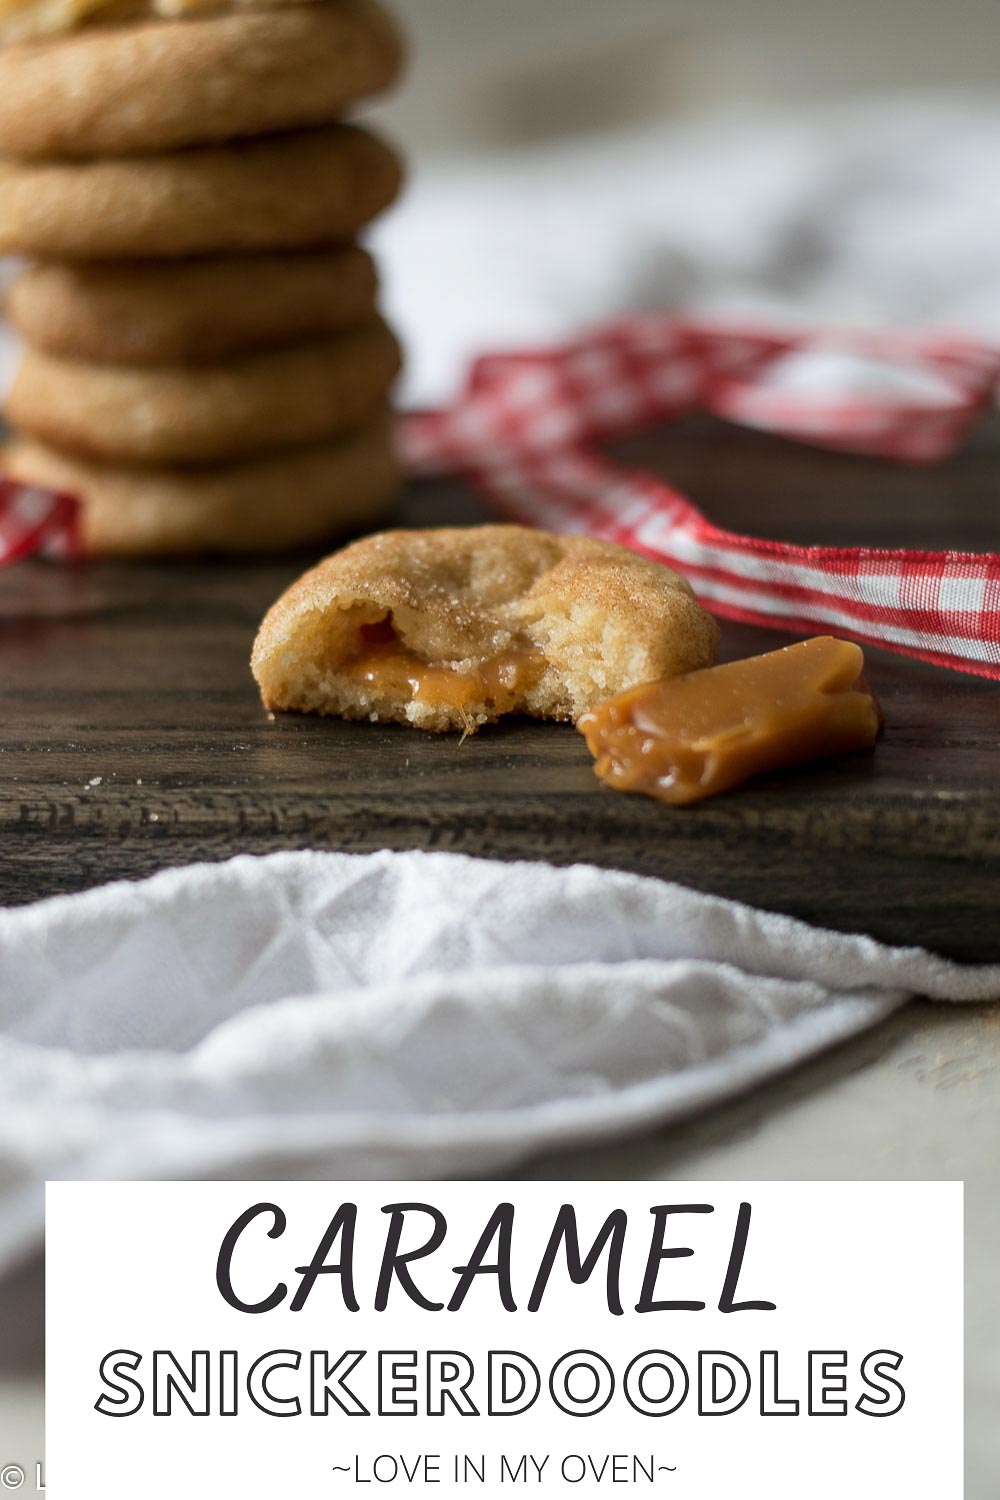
point(450, 629)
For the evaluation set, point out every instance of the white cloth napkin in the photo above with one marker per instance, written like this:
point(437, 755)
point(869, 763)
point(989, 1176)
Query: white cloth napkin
point(866, 212)
point(398, 1015)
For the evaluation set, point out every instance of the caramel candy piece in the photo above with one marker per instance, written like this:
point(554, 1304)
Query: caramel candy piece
point(685, 738)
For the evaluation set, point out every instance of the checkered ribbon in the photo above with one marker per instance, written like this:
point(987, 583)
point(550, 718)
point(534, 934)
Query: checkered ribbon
point(529, 429)
point(35, 522)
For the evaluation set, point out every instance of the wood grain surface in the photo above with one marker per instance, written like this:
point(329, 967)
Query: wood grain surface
point(132, 737)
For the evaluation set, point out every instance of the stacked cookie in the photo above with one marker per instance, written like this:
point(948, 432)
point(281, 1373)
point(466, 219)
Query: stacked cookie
point(205, 363)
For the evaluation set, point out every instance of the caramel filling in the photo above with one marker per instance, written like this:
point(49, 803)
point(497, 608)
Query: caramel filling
point(686, 738)
point(391, 670)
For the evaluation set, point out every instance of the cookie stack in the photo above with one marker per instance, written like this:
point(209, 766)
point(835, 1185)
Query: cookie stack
point(205, 363)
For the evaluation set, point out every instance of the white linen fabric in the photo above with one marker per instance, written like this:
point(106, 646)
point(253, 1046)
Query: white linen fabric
point(398, 1016)
point(872, 214)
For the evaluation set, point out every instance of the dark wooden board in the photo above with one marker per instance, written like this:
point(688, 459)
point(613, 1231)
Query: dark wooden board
point(137, 675)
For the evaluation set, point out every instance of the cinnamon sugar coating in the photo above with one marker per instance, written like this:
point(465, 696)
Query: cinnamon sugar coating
point(569, 619)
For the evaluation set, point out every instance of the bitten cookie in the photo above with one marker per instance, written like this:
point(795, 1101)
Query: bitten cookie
point(177, 415)
point(145, 85)
point(191, 312)
point(450, 629)
point(300, 498)
point(308, 188)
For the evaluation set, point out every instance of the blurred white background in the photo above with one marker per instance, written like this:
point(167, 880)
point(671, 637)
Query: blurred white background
point(494, 71)
point(579, 158)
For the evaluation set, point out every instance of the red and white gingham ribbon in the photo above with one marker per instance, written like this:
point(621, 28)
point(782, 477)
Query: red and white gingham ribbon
point(529, 426)
point(36, 522)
